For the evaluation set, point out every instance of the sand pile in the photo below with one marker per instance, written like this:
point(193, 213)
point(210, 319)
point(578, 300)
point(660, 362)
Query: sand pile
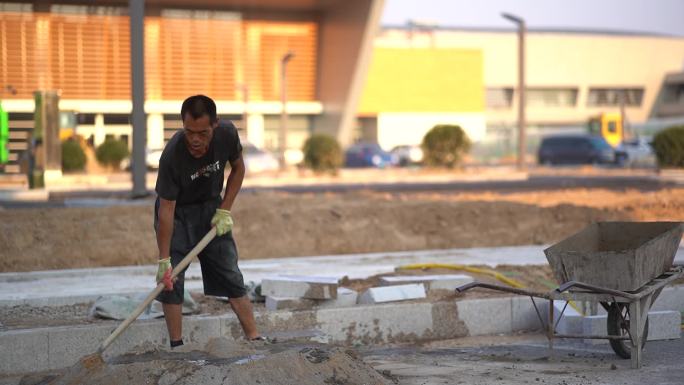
point(226, 362)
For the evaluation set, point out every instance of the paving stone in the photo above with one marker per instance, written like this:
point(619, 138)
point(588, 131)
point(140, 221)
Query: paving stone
point(486, 316)
point(431, 282)
point(23, 351)
point(300, 287)
point(525, 317)
point(392, 293)
point(345, 297)
point(662, 325)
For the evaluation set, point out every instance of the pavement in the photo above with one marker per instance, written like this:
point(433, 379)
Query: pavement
point(524, 359)
point(65, 287)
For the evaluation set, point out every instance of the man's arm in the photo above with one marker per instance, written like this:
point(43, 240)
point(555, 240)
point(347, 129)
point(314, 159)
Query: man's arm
point(234, 183)
point(165, 230)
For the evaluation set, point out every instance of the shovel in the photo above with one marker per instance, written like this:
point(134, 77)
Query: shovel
point(95, 360)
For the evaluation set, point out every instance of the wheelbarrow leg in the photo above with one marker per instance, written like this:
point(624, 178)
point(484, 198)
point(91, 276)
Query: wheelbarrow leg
point(635, 332)
point(551, 327)
point(638, 311)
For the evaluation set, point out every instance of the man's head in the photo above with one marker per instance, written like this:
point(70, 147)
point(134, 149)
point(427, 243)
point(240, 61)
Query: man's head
point(199, 120)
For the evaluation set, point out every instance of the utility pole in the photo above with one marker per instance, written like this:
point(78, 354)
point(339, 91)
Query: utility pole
point(282, 137)
point(136, 10)
point(522, 29)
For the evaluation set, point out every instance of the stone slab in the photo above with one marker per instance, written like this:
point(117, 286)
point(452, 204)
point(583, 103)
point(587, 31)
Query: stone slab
point(486, 316)
point(662, 325)
point(345, 297)
point(392, 294)
point(300, 287)
point(431, 282)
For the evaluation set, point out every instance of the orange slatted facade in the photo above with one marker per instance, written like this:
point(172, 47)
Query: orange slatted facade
point(88, 56)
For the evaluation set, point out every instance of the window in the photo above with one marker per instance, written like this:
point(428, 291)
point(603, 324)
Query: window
point(599, 97)
point(551, 97)
point(674, 93)
point(499, 98)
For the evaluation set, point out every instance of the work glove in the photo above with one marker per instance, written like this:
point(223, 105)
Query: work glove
point(223, 221)
point(164, 273)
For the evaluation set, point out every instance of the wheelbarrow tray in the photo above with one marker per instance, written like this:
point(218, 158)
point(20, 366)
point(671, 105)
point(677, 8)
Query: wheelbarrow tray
point(616, 255)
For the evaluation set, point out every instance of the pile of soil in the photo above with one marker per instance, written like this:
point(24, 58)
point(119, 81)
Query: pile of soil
point(225, 362)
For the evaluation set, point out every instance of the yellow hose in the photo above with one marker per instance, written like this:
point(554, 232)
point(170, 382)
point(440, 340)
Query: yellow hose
point(492, 273)
point(476, 270)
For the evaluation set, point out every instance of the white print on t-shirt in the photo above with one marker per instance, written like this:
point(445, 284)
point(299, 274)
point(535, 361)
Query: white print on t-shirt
point(206, 170)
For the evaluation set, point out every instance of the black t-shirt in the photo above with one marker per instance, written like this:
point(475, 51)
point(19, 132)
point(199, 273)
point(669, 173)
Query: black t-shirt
point(186, 179)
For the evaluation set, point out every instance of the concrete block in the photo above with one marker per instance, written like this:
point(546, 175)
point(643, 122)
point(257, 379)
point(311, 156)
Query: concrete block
point(431, 282)
point(486, 316)
point(284, 303)
point(671, 298)
point(391, 323)
point(68, 344)
point(392, 293)
point(570, 321)
point(345, 297)
point(300, 287)
point(662, 325)
point(525, 317)
point(23, 351)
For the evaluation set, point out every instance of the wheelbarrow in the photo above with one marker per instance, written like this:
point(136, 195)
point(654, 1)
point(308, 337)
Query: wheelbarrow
point(623, 266)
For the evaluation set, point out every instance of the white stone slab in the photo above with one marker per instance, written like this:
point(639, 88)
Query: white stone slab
point(431, 282)
point(662, 325)
point(300, 287)
point(392, 293)
point(345, 297)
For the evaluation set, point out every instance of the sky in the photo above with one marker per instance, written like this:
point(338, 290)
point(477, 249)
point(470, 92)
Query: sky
point(651, 16)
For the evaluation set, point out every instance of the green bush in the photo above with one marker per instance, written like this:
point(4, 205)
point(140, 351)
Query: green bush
point(444, 145)
point(73, 156)
point(111, 153)
point(669, 147)
point(322, 153)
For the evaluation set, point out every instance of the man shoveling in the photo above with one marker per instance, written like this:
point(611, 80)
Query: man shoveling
point(189, 184)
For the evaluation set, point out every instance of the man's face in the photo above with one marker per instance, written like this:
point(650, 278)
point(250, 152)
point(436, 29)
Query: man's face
point(198, 134)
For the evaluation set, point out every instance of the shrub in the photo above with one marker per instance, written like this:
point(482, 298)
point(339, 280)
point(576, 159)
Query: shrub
point(73, 156)
point(111, 153)
point(322, 153)
point(669, 147)
point(444, 145)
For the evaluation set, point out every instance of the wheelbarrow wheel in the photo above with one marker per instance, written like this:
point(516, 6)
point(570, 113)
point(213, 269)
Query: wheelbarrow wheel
point(618, 325)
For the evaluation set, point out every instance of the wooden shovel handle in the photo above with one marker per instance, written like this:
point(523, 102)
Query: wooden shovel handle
point(150, 297)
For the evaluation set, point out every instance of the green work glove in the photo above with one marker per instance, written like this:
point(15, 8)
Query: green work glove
point(223, 221)
point(164, 273)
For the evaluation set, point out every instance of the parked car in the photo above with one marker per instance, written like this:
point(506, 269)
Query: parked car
point(257, 160)
point(575, 149)
point(407, 154)
point(368, 155)
point(636, 152)
point(152, 157)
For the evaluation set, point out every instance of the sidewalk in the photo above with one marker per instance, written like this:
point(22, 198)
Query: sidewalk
point(66, 287)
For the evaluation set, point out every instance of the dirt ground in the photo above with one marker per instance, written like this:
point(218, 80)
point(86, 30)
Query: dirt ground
point(225, 362)
point(272, 224)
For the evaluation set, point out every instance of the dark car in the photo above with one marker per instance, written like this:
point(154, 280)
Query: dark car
point(575, 149)
point(368, 155)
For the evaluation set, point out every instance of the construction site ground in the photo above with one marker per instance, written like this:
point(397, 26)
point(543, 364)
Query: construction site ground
point(271, 224)
point(276, 224)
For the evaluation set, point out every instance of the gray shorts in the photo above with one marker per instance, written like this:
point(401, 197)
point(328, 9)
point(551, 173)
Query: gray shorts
point(219, 260)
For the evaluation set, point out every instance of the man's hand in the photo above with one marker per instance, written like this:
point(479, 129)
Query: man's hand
point(164, 273)
point(223, 221)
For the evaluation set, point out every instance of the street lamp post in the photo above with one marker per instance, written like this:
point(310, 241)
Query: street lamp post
point(522, 29)
point(282, 138)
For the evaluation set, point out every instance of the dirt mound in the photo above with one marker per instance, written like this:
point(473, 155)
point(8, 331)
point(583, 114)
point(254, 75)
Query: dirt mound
point(271, 225)
point(226, 362)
